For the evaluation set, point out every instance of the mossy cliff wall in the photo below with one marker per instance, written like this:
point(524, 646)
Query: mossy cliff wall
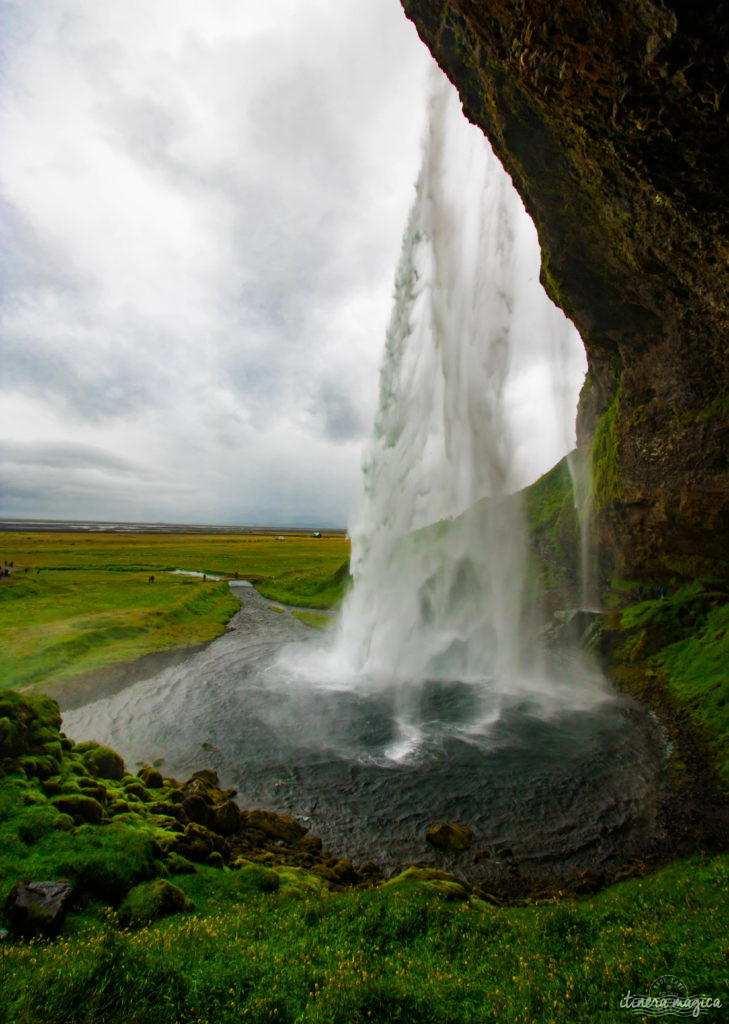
point(612, 120)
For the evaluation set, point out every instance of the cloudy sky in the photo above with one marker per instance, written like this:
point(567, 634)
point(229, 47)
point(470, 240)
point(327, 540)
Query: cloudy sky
point(202, 206)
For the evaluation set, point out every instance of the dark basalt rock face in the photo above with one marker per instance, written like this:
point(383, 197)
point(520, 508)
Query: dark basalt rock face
point(612, 120)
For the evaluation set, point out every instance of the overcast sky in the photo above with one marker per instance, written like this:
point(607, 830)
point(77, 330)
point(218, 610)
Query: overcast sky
point(202, 209)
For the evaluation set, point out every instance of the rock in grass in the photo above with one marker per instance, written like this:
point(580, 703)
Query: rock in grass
point(255, 876)
point(430, 879)
point(151, 900)
point(178, 865)
point(449, 836)
point(37, 908)
point(81, 808)
point(104, 763)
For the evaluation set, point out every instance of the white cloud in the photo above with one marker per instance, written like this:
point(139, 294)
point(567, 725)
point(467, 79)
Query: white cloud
point(205, 204)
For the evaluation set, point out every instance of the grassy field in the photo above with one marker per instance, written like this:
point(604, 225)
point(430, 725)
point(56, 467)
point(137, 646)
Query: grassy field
point(401, 953)
point(86, 602)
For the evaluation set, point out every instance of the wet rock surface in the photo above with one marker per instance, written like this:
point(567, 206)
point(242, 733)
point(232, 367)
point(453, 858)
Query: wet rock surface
point(612, 122)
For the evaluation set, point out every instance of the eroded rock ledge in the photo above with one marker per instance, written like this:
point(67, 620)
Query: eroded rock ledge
point(611, 119)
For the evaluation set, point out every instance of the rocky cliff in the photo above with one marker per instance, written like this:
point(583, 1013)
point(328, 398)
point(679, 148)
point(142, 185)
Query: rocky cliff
point(611, 118)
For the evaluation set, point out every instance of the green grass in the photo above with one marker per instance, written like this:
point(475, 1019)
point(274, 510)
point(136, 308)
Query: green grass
point(316, 586)
point(316, 620)
point(400, 954)
point(86, 602)
point(256, 557)
point(697, 671)
point(683, 639)
point(55, 625)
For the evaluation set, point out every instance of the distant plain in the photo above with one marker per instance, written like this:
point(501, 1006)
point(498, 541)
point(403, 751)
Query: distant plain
point(77, 602)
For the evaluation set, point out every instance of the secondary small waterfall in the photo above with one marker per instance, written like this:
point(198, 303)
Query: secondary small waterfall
point(466, 410)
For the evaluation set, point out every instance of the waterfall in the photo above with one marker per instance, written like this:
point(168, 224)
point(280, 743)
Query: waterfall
point(580, 469)
point(478, 391)
point(438, 548)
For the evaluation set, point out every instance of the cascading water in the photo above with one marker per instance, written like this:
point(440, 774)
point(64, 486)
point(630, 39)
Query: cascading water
point(432, 703)
point(477, 395)
point(471, 329)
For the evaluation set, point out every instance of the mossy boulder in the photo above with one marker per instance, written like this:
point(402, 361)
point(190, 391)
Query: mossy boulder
point(104, 763)
point(151, 777)
point(431, 880)
point(152, 900)
point(136, 789)
point(255, 876)
point(178, 865)
point(449, 836)
point(199, 810)
point(29, 735)
point(38, 821)
point(11, 743)
point(79, 807)
point(198, 842)
point(90, 787)
point(30, 712)
point(39, 766)
point(37, 908)
point(274, 826)
point(226, 818)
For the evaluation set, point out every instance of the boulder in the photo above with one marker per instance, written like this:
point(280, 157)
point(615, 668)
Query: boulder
point(104, 763)
point(226, 818)
point(178, 865)
point(207, 776)
point(197, 809)
point(81, 808)
point(137, 789)
point(438, 882)
point(449, 836)
point(198, 842)
point(274, 826)
point(151, 778)
point(37, 908)
point(150, 900)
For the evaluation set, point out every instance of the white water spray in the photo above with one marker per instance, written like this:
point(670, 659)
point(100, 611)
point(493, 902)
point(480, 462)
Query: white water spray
point(478, 393)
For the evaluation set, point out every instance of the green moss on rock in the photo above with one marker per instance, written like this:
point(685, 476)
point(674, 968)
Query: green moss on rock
point(104, 763)
point(79, 807)
point(430, 880)
point(151, 900)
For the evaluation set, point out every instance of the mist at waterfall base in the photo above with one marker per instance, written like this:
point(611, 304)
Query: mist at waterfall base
point(433, 701)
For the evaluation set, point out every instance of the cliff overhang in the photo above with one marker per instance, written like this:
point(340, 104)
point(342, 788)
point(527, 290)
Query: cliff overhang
point(612, 121)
